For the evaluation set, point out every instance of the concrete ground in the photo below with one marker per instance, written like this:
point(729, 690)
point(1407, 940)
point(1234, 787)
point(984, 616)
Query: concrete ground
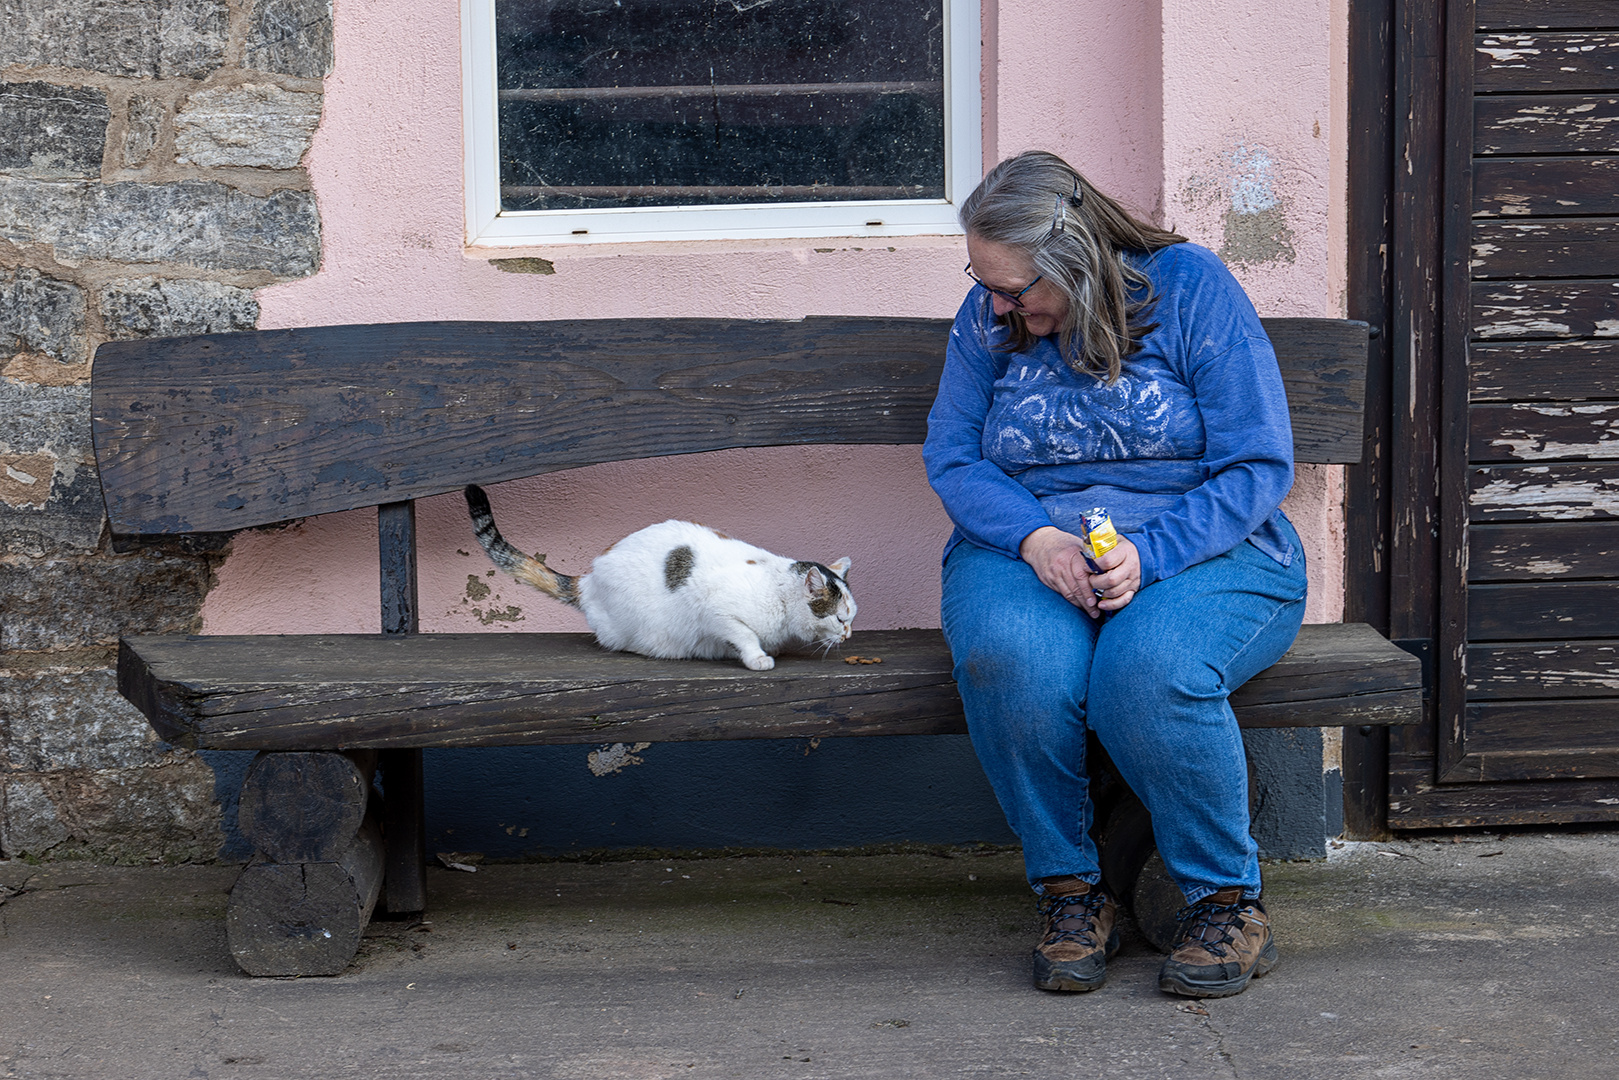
point(1467, 957)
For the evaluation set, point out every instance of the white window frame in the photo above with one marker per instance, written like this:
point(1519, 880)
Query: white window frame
point(488, 225)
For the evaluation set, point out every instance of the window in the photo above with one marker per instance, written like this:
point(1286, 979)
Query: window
point(610, 120)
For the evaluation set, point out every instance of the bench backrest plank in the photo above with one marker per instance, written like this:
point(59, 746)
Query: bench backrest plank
point(223, 432)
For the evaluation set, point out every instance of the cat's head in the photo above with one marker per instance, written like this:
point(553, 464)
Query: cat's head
point(829, 606)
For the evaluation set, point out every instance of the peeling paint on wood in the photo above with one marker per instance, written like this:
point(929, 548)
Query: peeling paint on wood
point(1554, 669)
point(1544, 493)
point(1560, 124)
point(1507, 309)
point(1544, 432)
point(1560, 185)
point(1546, 61)
point(1543, 370)
point(1564, 248)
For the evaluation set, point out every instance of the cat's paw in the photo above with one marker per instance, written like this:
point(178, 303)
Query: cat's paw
point(761, 662)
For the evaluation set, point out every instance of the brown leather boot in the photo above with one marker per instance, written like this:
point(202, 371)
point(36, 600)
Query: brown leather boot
point(1223, 942)
point(1080, 934)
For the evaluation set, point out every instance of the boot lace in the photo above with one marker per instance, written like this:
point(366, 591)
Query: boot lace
point(1209, 925)
point(1072, 918)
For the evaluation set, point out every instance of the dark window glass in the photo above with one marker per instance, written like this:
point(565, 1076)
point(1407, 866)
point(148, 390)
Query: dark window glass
point(608, 103)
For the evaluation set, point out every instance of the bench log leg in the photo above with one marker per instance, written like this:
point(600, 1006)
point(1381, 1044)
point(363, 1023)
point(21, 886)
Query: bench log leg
point(305, 806)
point(306, 918)
point(405, 830)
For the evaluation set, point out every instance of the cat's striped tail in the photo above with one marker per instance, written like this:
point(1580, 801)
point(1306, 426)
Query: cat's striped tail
point(525, 568)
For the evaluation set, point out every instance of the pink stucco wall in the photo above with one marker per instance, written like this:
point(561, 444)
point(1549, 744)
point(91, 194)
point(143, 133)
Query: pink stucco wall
point(1219, 117)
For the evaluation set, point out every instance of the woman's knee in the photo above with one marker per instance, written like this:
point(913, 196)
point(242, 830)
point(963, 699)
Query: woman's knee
point(1022, 672)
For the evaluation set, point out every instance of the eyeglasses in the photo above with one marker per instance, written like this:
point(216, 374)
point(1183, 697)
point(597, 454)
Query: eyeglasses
point(1015, 298)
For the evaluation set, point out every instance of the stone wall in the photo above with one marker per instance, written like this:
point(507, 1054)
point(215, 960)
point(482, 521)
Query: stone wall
point(150, 181)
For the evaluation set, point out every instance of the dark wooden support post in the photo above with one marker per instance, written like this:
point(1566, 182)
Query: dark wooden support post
point(404, 824)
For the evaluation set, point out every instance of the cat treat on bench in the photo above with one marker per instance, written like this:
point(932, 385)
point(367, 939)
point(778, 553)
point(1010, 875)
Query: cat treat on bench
point(681, 591)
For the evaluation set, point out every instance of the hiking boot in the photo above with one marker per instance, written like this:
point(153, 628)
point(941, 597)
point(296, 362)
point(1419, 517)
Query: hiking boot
point(1223, 941)
point(1080, 933)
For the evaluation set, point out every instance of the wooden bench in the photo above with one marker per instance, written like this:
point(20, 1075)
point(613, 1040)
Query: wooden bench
point(202, 436)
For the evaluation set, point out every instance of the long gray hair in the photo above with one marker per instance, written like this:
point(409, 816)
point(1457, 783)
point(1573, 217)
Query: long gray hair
point(1038, 204)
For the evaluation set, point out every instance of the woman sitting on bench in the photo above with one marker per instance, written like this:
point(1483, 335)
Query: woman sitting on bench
point(1101, 362)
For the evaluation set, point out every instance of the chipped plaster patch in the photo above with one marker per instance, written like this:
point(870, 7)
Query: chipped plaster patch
point(610, 759)
point(524, 266)
point(1253, 211)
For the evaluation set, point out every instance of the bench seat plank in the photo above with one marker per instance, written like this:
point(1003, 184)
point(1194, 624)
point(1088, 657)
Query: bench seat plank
point(348, 691)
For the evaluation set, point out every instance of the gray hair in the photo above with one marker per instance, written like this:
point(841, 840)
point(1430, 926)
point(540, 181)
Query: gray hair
point(1038, 204)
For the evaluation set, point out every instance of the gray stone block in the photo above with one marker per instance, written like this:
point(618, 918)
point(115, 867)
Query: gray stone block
point(137, 38)
point(290, 37)
point(194, 222)
point(45, 419)
point(165, 812)
point(169, 307)
point(72, 720)
point(52, 131)
point(58, 603)
point(41, 314)
point(69, 522)
point(50, 500)
point(141, 130)
point(254, 125)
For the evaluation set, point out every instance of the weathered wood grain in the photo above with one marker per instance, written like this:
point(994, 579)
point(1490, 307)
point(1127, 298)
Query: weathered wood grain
point(289, 919)
point(1541, 740)
point(1572, 492)
point(332, 692)
point(1545, 309)
point(1546, 124)
point(224, 432)
point(1416, 802)
point(1544, 14)
point(1549, 669)
point(1544, 431)
point(1543, 370)
point(1552, 186)
point(1548, 60)
point(1550, 247)
point(1543, 611)
point(1543, 552)
point(305, 806)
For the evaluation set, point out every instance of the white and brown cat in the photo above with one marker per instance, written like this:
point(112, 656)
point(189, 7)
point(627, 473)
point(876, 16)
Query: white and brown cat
point(678, 591)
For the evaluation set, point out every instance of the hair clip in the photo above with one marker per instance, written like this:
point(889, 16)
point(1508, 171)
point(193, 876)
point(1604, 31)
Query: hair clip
point(1075, 200)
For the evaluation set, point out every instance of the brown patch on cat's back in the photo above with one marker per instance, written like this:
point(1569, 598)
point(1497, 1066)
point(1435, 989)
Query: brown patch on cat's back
point(677, 566)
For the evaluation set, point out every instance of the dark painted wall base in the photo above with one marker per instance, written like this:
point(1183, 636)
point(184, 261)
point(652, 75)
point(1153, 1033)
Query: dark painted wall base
point(518, 802)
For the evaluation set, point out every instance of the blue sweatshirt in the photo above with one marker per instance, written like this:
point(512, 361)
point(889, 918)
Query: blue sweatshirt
point(1191, 450)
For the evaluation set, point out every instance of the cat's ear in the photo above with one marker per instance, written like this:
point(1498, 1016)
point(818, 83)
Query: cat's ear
point(841, 567)
point(814, 582)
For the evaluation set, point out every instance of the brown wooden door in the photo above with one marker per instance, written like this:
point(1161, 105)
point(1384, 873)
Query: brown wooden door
point(1504, 389)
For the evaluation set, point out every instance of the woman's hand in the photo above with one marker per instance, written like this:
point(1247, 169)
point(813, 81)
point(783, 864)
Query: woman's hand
point(1120, 579)
point(1058, 561)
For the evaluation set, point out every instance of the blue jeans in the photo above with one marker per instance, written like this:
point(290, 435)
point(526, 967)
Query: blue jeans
point(1036, 674)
